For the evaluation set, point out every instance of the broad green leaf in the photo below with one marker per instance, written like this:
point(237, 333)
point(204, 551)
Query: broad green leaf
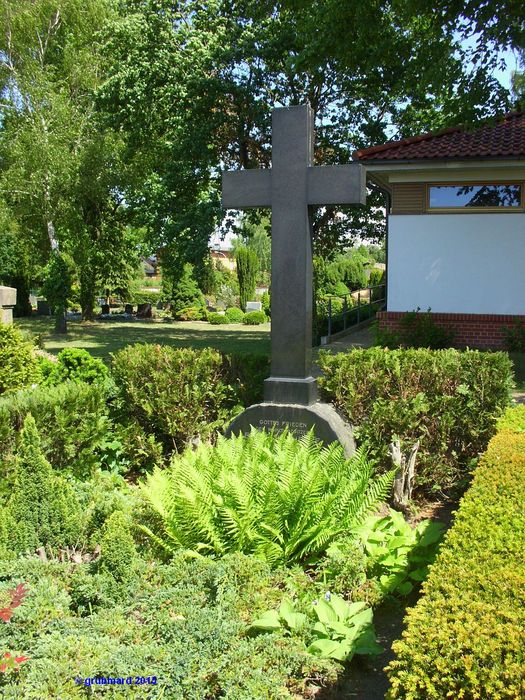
point(328, 649)
point(419, 574)
point(324, 611)
point(294, 620)
point(404, 588)
point(269, 621)
point(367, 643)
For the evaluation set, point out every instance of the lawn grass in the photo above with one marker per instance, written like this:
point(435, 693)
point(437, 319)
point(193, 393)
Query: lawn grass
point(104, 337)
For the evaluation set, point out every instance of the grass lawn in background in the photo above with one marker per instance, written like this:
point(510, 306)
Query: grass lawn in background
point(103, 337)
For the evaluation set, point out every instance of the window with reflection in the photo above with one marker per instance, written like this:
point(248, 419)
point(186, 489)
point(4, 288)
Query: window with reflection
point(474, 196)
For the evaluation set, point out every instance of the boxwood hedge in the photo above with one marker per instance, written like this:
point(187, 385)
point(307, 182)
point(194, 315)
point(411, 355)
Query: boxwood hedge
point(466, 636)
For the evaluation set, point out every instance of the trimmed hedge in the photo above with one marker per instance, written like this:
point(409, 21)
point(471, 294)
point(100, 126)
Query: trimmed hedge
point(254, 318)
point(447, 399)
point(177, 394)
point(466, 637)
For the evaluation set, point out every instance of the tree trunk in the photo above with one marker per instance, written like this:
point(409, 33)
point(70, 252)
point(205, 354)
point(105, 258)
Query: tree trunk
point(87, 293)
point(60, 321)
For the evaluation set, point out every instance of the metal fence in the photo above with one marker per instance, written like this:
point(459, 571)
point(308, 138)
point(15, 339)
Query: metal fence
point(335, 314)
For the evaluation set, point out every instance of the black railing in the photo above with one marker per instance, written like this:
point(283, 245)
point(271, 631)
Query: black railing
point(338, 313)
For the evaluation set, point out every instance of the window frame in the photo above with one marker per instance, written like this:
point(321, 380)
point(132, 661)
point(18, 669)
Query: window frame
point(474, 210)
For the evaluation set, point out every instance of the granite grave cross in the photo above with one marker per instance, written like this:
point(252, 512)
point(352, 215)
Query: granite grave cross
point(290, 187)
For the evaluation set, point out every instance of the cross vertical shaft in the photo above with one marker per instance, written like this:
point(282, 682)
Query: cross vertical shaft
point(292, 149)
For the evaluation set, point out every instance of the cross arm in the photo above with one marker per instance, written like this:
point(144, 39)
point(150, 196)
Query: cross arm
point(243, 189)
point(337, 184)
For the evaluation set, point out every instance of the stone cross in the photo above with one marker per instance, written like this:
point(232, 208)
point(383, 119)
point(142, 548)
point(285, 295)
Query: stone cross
point(290, 187)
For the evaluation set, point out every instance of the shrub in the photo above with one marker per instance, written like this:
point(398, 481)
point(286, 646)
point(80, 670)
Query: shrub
point(42, 505)
point(18, 363)
point(246, 374)
point(176, 394)
point(186, 293)
point(254, 318)
point(217, 319)
point(247, 269)
point(447, 399)
point(117, 548)
point(266, 304)
point(192, 313)
point(234, 315)
point(417, 330)
point(515, 337)
point(276, 497)
point(464, 638)
point(71, 418)
point(77, 365)
point(145, 296)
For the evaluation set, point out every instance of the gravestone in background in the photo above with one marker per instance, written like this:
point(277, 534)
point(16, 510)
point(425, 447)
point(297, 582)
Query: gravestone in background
point(290, 187)
point(7, 304)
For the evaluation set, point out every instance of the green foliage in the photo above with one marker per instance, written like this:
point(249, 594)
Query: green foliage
point(417, 330)
point(175, 394)
point(284, 500)
point(186, 624)
point(234, 315)
point(246, 374)
point(397, 554)
point(217, 319)
point(247, 269)
point(266, 304)
point(377, 278)
point(515, 337)
point(464, 638)
point(342, 629)
point(254, 318)
point(42, 505)
point(58, 282)
point(144, 296)
point(192, 313)
point(446, 399)
point(72, 419)
point(513, 419)
point(18, 363)
point(186, 292)
point(75, 364)
point(117, 547)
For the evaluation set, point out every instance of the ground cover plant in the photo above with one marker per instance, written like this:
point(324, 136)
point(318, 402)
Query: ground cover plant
point(469, 626)
point(447, 399)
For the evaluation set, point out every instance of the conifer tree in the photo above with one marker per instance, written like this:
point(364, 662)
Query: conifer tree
point(42, 505)
point(186, 293)
point(247, 270)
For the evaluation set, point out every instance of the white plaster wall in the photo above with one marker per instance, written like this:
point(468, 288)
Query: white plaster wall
point(457, 263)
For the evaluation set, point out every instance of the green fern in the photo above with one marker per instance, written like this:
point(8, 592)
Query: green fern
point(282, 499)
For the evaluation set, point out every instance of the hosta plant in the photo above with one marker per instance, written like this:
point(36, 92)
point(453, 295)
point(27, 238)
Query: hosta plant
point(282, 499)
point(337, 629)
point(398, 555)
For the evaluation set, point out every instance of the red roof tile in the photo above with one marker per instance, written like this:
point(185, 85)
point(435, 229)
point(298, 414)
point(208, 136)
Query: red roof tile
point(505, 138)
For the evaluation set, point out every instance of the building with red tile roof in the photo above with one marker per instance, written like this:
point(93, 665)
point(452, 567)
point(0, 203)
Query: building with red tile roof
point(456, 227)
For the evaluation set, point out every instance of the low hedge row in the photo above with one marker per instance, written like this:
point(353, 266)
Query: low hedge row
point(466, 636)
point(447, 399)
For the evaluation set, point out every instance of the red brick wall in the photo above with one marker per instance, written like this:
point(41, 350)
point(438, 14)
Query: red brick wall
point(482, 331)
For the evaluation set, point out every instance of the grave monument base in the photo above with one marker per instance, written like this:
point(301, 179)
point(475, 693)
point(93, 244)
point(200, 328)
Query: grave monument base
point(299, 419)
